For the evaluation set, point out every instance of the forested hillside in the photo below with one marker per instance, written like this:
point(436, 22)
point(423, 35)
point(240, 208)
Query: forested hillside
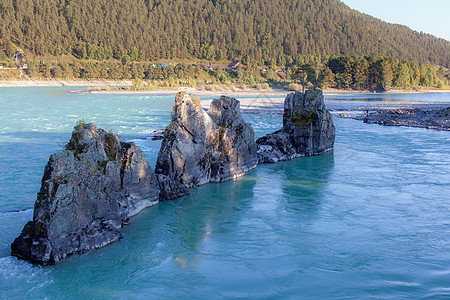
point(254, 31)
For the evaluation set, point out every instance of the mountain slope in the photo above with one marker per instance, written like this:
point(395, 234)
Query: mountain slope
point(254, 30)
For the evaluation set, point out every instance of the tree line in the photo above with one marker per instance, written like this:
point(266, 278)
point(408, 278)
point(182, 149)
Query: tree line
point(373, 72)
point(377, 72)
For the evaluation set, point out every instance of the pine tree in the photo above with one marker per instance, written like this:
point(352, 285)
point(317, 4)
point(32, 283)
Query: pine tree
point(326, 78)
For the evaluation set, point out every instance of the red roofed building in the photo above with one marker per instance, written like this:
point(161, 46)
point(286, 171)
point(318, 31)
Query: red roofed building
point(233, 65)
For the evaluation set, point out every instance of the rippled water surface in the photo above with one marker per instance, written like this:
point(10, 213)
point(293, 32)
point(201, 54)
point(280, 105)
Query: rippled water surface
point(368, 220)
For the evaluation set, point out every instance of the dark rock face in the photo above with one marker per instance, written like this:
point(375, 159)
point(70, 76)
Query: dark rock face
point(201, 147)
point(430, 119)
point(308, 129)
point(170, 189)
point(88, 190)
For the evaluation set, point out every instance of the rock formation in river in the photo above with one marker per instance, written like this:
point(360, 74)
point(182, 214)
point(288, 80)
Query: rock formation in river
point(97, 182)
point(308, 129)
point(88, 190)
point(437, 119)
point(201, 147)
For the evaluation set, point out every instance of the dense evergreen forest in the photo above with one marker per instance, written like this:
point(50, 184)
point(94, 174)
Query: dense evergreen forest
point(256, 32)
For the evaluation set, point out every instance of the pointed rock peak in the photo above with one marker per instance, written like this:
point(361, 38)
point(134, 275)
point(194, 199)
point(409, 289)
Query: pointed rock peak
point(87, 137)
point(225, 111)
point(303, 109)
point(182, 97)
point(86, 131)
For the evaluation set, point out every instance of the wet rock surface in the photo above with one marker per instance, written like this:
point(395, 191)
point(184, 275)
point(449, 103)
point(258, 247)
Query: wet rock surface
point(308, 129)
point(201, 147)
point(437, 119)
point(170, 189)
point(88, 190)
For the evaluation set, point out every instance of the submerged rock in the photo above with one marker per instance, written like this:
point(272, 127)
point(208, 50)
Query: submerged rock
point(88, 190)
point(308, 129)
point(201, 147)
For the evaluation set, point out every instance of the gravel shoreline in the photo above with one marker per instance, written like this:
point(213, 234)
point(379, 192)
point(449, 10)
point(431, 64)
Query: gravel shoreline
point(422, 115)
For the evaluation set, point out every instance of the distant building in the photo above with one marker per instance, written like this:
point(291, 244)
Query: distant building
point(234, 65)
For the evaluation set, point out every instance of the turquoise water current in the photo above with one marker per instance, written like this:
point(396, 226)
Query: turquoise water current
point(367, 220)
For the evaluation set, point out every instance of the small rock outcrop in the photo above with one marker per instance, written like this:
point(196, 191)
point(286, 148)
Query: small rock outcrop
point(308, 129)
point(88, 190)
point(201, 147)
point(437, 119)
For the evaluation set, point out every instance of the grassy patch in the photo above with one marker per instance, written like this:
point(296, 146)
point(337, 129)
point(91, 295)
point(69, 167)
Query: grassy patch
point(111, 147)
point(304, 118)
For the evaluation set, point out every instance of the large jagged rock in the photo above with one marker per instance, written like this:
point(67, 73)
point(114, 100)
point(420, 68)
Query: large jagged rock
point(88, 190)
point(201, 147)
point(308, 129)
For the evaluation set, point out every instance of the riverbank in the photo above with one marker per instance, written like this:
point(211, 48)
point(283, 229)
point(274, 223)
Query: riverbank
point(114, 87)
point(55, 83)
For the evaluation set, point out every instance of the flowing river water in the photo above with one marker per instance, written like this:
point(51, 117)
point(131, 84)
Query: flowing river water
point(367, 220)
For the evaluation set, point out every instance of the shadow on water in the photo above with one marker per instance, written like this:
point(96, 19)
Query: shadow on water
point(162, 242)
point(257, 201)
point(295, 186)
point(209, 209)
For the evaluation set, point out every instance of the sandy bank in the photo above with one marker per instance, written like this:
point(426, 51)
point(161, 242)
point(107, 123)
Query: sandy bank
point(198, 91)
point(74, 83)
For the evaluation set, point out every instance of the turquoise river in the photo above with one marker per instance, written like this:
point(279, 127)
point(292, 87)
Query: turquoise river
point(370, 219)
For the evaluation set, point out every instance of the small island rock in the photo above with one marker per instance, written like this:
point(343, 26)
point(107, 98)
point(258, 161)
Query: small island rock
point(201, 147)
point(88, 190)
point(308, 129)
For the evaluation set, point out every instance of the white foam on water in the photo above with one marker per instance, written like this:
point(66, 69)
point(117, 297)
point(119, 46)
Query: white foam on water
point(148, 131)
point(21, 277)
point(18, 212)
point(12, 268)
point(142, 144)
point(402, 283)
